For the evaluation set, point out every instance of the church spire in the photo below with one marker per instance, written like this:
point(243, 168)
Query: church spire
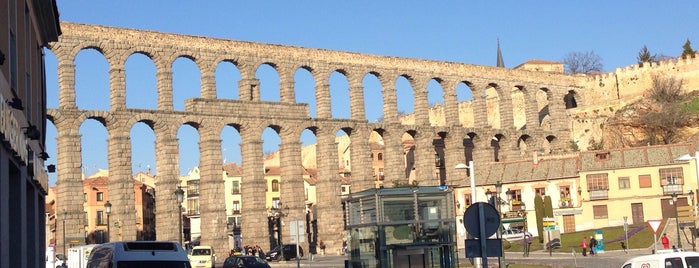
point(501, 62)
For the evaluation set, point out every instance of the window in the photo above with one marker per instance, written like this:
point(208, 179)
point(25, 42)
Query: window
point(193, 206)
point(380, 156)
point(236, 207)
point(467, 200)
point(100, 218)
point(85, 196)
point(100, 196)
point(275, 186)
point(193, 188)
point(671, 176)
point(597, 182)
point(540, 191)
point(565, 192)
point(600, 211)
point(235, 189)
point(624, 183)
point(381, 174)
point(644, 181)
point(516, 195)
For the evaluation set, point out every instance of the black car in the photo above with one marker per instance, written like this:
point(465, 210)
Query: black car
point(289, 253)
point(245, 261)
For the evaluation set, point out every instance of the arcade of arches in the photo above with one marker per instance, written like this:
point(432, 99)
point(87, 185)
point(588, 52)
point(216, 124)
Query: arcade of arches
point(512, 113)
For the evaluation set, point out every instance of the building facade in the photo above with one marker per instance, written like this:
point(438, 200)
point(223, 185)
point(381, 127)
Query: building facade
point(26, 28)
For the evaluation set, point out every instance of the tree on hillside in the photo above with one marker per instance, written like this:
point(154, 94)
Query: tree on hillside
point(688, 51)
point(659, 118)
point(645, 56)
point(583, 62)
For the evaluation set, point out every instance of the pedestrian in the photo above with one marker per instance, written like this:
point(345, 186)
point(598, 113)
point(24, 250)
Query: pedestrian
point(665, 241)
point(261, 253)
point(593, 246)
point(674, 249)
point(322, 248)
point(583, 245)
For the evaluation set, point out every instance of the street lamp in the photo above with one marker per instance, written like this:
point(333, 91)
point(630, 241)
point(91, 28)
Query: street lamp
point(694, 223)
point(498, 191)
point(63, 218)
point(276, 214)
point(677, 221)
point(179, 195)
point(527, 240)
point(108, 210)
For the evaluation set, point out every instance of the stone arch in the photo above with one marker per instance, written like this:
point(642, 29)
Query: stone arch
point(373, 97)
point(227, 75)
point(519, 107)
point(543, 101)
point(267, 73)
point(570, 99)
point(495, 144)
point(436, 101)
point(551, 144)
point(304, 81)
point(405, 105)
point(188, 76)
point(524, 143)
point(84, 91)
point(143, 97)
point(340, 98)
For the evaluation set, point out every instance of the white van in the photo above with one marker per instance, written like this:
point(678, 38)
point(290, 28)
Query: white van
point(202, 256)
point(662, 260)
point(138, 254)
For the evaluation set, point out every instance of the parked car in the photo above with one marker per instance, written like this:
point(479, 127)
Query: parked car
point(245, 261)
point(513, 234)
point(670, 259)
point(289, 253)
point(202, 256)
point(136, 254)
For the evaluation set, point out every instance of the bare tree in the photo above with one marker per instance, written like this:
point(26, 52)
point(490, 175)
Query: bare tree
point(583, 62)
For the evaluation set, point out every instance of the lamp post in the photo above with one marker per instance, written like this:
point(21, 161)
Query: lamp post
point(276, 213)
point(472, 185)
point(677, 221)
point(63, 219)
point(108, 210)
point(694, 222)
point(498, 191)
point(527, 240)
point(179, 195)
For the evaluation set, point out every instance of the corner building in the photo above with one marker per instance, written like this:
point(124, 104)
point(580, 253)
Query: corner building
point(25, 29)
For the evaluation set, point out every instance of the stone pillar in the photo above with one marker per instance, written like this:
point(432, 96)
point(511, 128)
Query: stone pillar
point(208, 80)
point(254, 213)
point(424, 159)
point(454, 155)
point(286, 85)
point(330, 225)
point(121, 186)
point(390, 103)
point(560, 123)
point(507, 120)
point(211, 204)
point(422, 108)
point(356, 98)
point(451, 104)
point(249, 89)
point(323, 109)
point(117, 87)
point(66, 84)
point(69, 187)
point(164, 77)
point(480, 111)
point(531, 108)
point(167, 170)
point(292, 183)
point(393, 156)
point(360, 153)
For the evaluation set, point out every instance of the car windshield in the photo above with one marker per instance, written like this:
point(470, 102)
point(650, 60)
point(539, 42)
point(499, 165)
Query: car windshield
point(201, 251)
point(252, 260)
point(153, 264)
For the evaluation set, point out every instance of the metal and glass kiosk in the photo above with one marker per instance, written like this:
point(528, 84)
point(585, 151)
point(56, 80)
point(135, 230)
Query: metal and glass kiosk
point(401, 227)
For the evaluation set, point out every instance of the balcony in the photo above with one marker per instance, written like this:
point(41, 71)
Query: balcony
point(602, 194)
point(669, 189)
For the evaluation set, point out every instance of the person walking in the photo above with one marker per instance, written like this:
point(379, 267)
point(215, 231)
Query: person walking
point(322, 248)
point(665, 241)
point(593, 246)
point(583, 245)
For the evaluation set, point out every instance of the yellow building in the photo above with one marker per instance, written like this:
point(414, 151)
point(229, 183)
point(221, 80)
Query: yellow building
point(636, 183)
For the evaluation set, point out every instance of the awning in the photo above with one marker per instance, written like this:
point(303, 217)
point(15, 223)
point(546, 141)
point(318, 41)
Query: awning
point(512, 219)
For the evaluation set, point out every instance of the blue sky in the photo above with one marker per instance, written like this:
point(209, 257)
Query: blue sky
point(455, 31)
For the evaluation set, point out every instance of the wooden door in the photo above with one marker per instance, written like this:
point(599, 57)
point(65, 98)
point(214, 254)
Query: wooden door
point(637, 214)
point(568, 223)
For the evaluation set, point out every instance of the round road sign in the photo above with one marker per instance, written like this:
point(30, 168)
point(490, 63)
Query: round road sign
point(473, 221)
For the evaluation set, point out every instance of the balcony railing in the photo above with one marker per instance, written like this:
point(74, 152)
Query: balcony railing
point(669, 189)
point(599, 194)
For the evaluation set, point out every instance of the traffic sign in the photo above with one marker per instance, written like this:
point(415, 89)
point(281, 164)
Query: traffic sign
point(473, 220)
point(654, 224)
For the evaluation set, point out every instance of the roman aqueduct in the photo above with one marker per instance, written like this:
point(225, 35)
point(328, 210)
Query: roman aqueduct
point(505, 115)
